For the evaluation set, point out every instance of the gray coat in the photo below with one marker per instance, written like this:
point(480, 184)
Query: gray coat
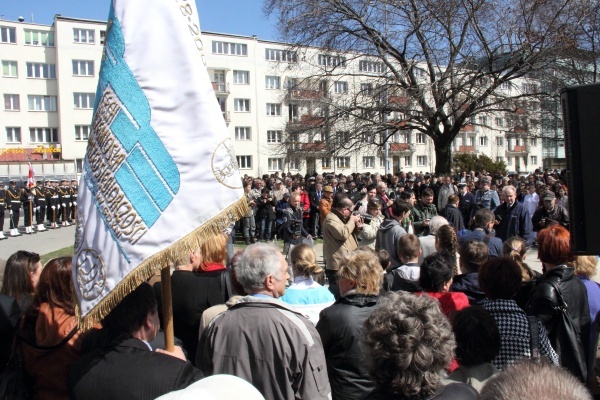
point(269, 344)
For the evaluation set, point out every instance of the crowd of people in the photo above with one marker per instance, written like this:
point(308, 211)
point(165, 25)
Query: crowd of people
point(420, 297)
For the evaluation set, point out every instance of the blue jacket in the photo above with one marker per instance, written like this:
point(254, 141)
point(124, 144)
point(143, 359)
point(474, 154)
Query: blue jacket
point(494, 244)
point(514, 221)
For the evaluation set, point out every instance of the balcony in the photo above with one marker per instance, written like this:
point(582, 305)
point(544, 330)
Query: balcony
point(220, 87)
point(466, 149)
point(518, 149)
point(306, 122)
point(467, 128)
point(314, 147)
point(402, 148)
point(398, 100)
point(305, 94)
point(226, 116)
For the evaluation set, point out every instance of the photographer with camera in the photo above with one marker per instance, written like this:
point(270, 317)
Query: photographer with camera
point(371, 222)
point(293, 229)
point(550, 214)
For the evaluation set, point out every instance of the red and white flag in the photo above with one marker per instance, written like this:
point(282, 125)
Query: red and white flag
point(31, 176)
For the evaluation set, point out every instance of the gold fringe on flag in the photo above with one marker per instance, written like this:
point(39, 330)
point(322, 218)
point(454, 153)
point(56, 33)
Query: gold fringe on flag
point(160, 260)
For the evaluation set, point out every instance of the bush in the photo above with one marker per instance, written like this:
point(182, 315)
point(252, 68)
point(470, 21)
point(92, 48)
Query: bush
point(472, 162)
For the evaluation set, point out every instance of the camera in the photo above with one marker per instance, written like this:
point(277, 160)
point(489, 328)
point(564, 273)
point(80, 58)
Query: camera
point(295, 227)
point(367, 218)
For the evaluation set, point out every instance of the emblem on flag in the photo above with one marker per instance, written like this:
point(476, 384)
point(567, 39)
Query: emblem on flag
point(158, 144)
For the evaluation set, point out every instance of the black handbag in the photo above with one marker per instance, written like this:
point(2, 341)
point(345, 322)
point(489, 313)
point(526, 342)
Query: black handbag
point(14, 380)
point(570, 344)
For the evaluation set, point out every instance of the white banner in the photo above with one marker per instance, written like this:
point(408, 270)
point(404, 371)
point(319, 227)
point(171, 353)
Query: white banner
point(160, 172)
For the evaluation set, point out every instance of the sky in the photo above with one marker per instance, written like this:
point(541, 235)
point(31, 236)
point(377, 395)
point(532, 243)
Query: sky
point(240, 17)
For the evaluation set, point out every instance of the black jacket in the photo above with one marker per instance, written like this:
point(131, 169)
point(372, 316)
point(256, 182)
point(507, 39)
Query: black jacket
point(340, 327)
point(128, 370)
point(544, 305)
point(469, 285)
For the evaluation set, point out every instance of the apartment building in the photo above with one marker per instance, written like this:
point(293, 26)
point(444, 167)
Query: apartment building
point(50, 73)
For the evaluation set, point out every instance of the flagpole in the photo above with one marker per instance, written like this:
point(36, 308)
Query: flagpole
point(167, 308)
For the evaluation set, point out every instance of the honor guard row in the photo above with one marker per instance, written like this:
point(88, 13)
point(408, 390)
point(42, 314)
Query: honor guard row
point(46, 200)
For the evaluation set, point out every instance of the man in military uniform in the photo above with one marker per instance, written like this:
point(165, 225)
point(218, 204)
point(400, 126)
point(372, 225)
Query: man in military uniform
point(74, 189)
point(52, 203)
point(486, 198)
point(39, 194)
point(13, 200)
point(27, 201)
point(64, 199)
point(3, 195)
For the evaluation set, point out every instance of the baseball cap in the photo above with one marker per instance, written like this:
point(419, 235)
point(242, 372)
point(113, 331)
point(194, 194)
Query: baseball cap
point(549, 196)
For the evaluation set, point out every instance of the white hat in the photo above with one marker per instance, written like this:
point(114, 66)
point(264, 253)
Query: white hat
point(216, 387)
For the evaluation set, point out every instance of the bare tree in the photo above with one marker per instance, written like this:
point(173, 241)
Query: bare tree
point(433, 66)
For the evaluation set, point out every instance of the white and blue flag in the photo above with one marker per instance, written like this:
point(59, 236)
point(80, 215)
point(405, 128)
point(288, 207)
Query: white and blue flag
point(160, 173)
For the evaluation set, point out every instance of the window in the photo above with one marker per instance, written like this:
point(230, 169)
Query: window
point(508, 160)
point(407, 161)
point(243, 133)
point(332, 61)
point(281, 55)
point(295, 163)
point(241, 77)
point(273, 82)
point(499, 158)
point(244, 162)
point(82, 132)
point(370, 66)
point(275, 164)
point(84, 100)
point(241, 105)
point(227, 48)
point(420, 138)
point(83, 35)
point(273, 109)
point(40, 70)
point(533, 142)
point(499, 141)
point(340, 87)
point(274, 136)
point(366, 89)
point(41, 103)
point(483, 141)
point(499, 122)
point(11, 102)
point(369, 162)
point(13, 135)
point(83, 68)
point(529, 88)
point(9, 69)
point(102, 37)
point(505, 86)
point(482, 120)
point(291, 83)
point(421, 161)
point(8, 34)
point(43, 135)
point(342, 162)
point(326, 162)
point(534, 160)
point(79, 165)
point(39, 38)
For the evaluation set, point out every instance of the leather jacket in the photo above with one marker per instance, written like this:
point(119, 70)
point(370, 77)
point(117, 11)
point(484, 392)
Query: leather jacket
point(544, 305)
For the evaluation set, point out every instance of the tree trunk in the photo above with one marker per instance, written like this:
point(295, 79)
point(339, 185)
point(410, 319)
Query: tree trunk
point(443, 157)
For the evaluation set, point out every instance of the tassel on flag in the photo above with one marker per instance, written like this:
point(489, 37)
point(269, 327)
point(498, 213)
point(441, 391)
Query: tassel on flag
point(160, 174)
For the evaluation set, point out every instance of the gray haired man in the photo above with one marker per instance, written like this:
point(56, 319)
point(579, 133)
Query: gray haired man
point(263, 340)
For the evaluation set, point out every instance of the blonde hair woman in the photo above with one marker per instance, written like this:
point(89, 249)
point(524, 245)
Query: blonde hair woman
point(341, 325)
point(307, 295)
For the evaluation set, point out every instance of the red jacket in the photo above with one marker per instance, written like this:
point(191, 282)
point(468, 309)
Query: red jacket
point(305, 199)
